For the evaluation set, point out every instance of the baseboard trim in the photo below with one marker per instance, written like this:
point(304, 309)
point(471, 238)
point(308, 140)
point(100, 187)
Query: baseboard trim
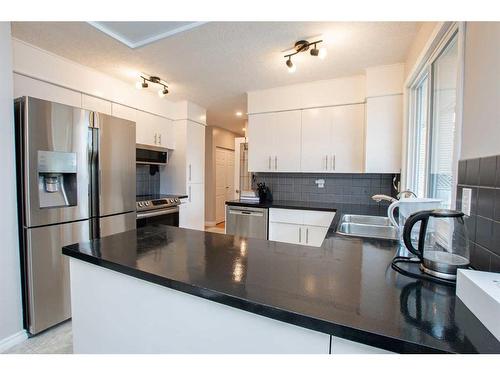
point(12, 340)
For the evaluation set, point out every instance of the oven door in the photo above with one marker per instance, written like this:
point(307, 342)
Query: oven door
point(165, 216)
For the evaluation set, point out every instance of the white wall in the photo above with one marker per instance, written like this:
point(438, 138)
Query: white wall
point(10, 287)
point(481, 107)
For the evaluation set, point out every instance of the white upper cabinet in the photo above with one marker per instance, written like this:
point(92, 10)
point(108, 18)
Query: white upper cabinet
point(154, 130)
point(347, 153)
point(95, 104)
point(384, 123)
point(25, 86)
point(124, 112)
point(332, 139)
point(277, 142)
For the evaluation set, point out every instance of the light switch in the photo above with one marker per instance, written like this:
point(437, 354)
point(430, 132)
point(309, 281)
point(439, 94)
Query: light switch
point(466, 200)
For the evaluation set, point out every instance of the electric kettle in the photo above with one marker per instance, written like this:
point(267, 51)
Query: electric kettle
point(443, 244)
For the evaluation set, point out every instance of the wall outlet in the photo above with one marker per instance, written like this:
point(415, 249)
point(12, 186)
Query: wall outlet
point(466, 200)
point(320, 183)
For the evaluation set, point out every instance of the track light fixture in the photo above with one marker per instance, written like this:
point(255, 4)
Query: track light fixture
point(153, 79)
point(303, 46)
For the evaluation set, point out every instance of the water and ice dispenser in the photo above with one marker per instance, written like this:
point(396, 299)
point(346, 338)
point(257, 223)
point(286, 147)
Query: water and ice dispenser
point(57, 179)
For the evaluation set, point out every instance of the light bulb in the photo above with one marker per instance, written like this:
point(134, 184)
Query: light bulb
point(160, 93)
point(138, 85)
point(292, 69)
point(322, 53)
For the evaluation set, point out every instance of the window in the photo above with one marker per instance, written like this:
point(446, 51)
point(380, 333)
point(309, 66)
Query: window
point(433, 98)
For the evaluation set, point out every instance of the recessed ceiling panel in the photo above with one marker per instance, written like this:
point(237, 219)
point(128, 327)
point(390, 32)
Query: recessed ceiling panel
point(137, 34)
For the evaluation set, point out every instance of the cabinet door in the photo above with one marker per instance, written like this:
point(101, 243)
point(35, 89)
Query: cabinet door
point(260, 142)
point(146, 129)
point(96, 104)
point(316, 140)
point(192, 213)
point(313, 236)
point(384, 123)
point(284, 232)
point(121, 111)
point(166, 133)
point(286, 134)
point(195, 152)
point(347, 154)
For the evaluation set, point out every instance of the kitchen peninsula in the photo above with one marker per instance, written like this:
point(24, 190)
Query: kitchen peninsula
point(174, 290)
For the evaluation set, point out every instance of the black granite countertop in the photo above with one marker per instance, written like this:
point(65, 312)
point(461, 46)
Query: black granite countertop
point(345, 287)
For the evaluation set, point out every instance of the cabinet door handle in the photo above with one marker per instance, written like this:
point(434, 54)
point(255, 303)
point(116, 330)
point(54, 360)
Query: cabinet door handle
point(276, 163)
point(300, 234)
point(156, 138)
point(159, 138)
point(307, 235)
point(326, 162)
point(190, 172)
point(189, 193)
point(269, 162)
point(333, 162)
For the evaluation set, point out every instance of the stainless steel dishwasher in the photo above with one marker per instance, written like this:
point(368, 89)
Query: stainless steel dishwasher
point(246, 221)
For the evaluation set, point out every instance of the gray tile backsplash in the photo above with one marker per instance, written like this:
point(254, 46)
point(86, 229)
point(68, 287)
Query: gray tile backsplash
point(146, 182)
point(482, 176)
point(338, 188)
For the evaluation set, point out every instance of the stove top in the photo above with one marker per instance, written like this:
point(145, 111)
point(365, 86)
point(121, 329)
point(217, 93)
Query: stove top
point(156, 201)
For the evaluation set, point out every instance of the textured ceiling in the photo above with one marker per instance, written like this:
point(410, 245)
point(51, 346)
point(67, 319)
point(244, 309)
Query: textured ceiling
point(215, 64)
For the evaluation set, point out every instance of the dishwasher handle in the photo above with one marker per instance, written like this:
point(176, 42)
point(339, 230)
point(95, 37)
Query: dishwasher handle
point(246, 213)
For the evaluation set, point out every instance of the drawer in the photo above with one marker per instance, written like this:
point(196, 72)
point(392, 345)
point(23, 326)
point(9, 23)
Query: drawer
point(284, 215)
point(317, 218)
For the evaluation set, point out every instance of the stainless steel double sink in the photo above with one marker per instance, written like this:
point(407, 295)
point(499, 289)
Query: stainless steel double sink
point(367, 226)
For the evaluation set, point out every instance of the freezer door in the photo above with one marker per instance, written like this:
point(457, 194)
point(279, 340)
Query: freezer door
point(116, 148)
point(117, 223)
point(50, 137)
point(47, 277)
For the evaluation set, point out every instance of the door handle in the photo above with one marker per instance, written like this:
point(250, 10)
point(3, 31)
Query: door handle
point(190, 193)
point(156, 138)
point(326, 162)
point(275, 163)
point(159, 138)
point(307, 235)
point(190, 172)
point(300, 234)
point(269, 162)
point(333, 162)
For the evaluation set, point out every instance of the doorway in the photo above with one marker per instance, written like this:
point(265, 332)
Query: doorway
point(224, 181)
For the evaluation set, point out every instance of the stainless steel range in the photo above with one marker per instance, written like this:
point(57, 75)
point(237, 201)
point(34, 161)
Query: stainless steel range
point(158, 210)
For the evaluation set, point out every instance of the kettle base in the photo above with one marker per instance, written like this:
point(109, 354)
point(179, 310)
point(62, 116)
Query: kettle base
point(441, 275)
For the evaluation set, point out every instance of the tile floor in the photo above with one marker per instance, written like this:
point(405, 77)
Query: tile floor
point(57, 340)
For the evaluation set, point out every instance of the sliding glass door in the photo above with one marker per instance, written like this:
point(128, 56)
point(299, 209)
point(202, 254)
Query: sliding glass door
point(433, 98)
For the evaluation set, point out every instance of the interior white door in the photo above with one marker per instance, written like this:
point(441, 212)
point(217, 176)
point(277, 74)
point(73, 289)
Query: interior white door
point(316, 140)
point(230, 171)
point(224, 181)
point(220, 184)
point(347, 154)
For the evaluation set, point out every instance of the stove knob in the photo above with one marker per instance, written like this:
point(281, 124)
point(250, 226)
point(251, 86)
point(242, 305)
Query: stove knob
point(140, 204)
point(177, 199)
point(147, 203)
point(171, 201)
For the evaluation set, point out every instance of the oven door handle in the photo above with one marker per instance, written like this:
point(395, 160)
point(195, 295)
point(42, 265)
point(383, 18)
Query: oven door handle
point(144, 215)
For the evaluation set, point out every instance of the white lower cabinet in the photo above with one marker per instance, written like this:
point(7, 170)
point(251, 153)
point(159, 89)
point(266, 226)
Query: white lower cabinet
point(301, 227)
point(192, 211)
point(343, 346)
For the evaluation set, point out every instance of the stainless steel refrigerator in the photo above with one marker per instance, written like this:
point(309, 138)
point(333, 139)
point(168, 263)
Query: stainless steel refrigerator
point(76, 180)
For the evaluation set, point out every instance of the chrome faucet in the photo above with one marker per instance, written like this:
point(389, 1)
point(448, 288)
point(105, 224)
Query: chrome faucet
point(383, 197)
point(406, 194)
